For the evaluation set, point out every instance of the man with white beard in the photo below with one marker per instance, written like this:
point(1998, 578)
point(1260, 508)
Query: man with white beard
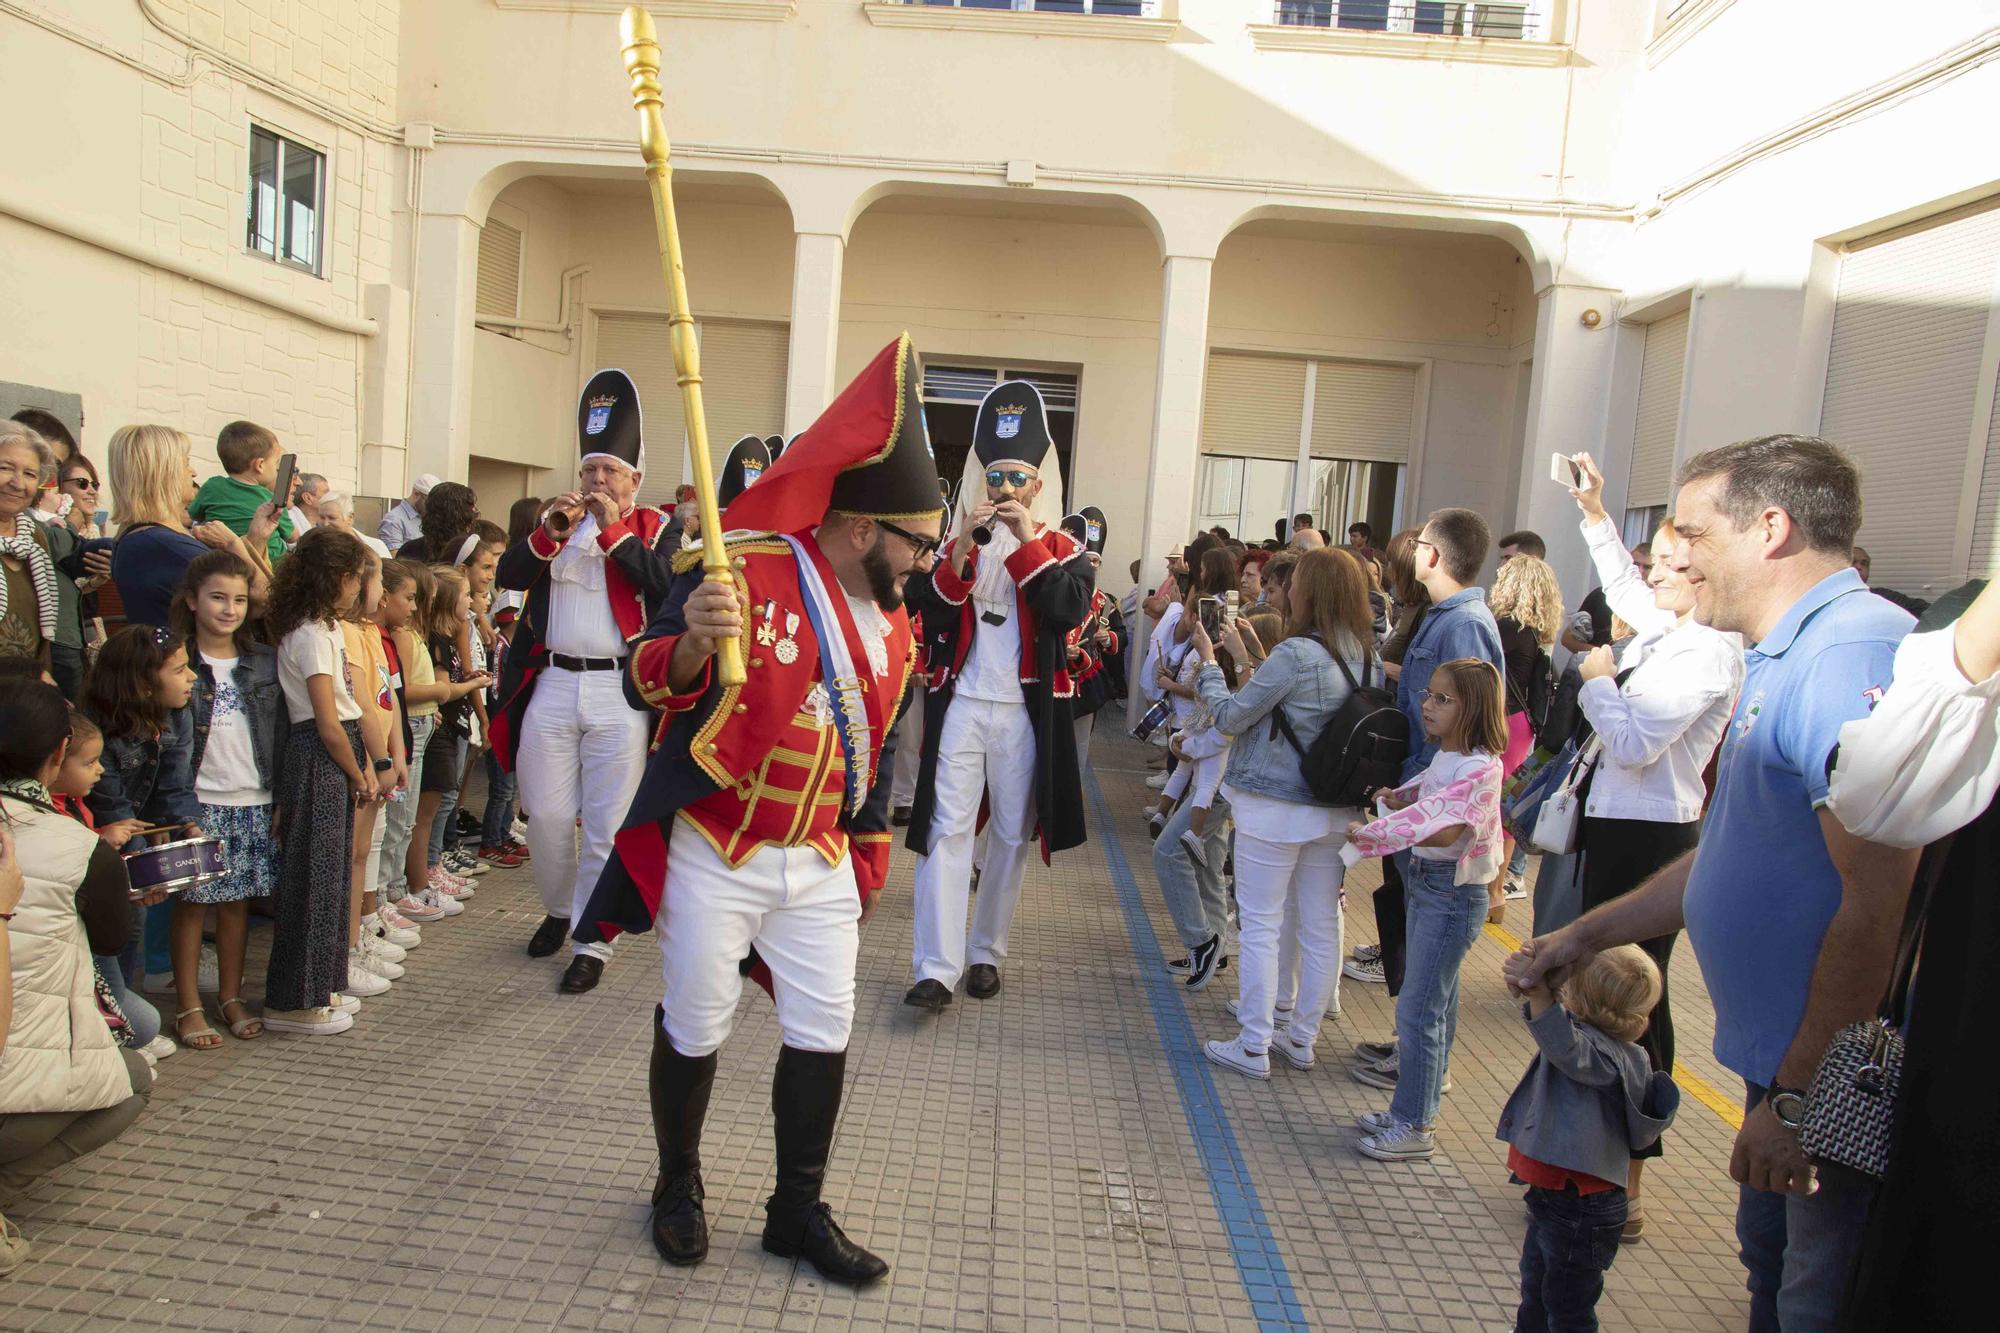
point(997, 610)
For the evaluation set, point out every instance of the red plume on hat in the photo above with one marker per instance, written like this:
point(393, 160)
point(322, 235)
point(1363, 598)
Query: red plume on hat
point(869, 454)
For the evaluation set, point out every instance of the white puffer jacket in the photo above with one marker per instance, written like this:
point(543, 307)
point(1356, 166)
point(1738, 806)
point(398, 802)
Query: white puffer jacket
point(60, 1053)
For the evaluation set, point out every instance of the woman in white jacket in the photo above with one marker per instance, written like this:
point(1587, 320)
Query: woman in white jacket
point(1658, 713)
point(66, 1088)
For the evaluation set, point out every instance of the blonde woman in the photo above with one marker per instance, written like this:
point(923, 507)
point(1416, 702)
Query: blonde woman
point(1527, 603)
point(152, 484)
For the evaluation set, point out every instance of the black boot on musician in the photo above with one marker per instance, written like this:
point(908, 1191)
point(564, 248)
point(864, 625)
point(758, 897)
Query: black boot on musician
point(679, 1085)
point(805, 1100)
point(549, 936)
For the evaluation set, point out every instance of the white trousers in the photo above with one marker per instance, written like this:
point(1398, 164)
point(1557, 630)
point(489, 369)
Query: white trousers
point(582, 751)
point(802, 914)
point(985, 747)
point(1268, 876)
point(1085, 727)
point(909, 753)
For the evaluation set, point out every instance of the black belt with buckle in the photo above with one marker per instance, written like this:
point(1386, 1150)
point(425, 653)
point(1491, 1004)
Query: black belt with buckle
point(568, 663)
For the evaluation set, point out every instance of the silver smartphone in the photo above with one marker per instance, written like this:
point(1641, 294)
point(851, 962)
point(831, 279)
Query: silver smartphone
point(1564, 471)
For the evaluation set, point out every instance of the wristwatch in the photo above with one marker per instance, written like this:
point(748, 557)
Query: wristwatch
point(1789, 1105)
point(384, 765)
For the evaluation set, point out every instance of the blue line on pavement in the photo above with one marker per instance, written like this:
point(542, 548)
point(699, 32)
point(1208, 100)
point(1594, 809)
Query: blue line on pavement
point(1259, 1264)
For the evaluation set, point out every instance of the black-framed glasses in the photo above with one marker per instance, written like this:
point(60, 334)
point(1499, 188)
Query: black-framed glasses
point(1419, 541)
point(81, 483)
point(1438, 697)
point(998, 477)
point(926, 547)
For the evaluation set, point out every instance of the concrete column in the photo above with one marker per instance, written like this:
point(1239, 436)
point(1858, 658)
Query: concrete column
point(441, 346)
point(1176, 450)
point(1568, 398)
point(809, 382)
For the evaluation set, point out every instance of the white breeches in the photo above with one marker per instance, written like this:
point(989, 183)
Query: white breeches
point(802, 914)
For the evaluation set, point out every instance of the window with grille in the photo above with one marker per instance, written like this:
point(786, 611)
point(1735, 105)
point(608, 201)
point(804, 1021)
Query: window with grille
point(287, 199)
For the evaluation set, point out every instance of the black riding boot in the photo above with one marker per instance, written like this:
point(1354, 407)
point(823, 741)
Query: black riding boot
point(805, 1100)
point(680, 1085)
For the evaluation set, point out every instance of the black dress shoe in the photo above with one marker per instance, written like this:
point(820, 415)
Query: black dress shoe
point(928, 994)
point(982, 981)
point(582, 974)
point(680, 1229)
point(900, 816)
point(818, 1239)
point(548, 936)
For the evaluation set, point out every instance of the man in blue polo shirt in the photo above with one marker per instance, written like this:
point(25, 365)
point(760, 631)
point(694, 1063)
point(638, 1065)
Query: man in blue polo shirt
point(1792, 918)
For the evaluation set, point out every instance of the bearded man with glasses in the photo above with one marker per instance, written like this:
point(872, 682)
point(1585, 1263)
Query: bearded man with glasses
point(997, 609)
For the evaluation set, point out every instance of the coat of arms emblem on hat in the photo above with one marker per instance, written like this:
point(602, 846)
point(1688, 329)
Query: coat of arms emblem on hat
point(600, 414)
point(1007, 421)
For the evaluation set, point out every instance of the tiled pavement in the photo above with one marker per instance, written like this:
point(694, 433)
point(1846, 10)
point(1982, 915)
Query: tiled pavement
point(476, 1154)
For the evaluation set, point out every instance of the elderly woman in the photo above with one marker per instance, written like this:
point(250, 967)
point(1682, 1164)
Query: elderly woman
point(29, 601)
point(335, 509)
point(152, 484)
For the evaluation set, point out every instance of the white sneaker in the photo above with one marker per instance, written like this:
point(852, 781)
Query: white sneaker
point(1517, 889)
point(360, 979)
point(206, 976)
point(307, 1022)
point(519, 833)
point(397, 939)
point(159, 1047)
point(368, 955)
point(1297, 1054)
point(449, 886)
point(1399, 1143)
point(1369, 970)
point(1231, 1055)
point(1374, 1122)
point(414, 908)
point(375, 933)
point(445, 905)
point(465, 866)
point(1158, 780)
point(152, 1061)
point(344, 1002)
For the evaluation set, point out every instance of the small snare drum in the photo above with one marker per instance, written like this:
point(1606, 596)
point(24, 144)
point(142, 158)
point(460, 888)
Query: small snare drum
point(175, 866)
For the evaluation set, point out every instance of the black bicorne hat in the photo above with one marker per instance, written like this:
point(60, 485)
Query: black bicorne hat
point(1012, 426)
point(608, 421)
point(776, 444)
point(1087, 526)
point(746, 462)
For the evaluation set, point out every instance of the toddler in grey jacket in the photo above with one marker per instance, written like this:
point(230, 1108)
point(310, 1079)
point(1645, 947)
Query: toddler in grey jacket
point(1588, 1100)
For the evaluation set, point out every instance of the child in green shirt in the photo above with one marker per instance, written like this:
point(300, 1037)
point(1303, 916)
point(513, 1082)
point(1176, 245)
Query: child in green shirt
point(249, 454)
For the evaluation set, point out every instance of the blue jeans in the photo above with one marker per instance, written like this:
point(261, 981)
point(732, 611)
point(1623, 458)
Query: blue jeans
point(400, 817)
point(159, 961)
point(497, 829)
point(1517, 865)
point(1800, 1250)
point(1442, 919)
point(1572, 1239)
point(139, 1011)
point(1194, 896)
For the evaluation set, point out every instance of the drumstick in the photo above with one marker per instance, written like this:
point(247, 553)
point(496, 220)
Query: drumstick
point(158, 828)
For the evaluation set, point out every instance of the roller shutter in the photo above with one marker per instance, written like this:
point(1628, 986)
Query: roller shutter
point(1659, 419)
point(1253, 406)
point(499, 289)
point(1363, 411)
point(1901, 383)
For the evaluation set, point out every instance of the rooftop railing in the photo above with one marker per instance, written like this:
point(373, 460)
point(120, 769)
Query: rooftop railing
point(1128, 8)
point(1512, 20)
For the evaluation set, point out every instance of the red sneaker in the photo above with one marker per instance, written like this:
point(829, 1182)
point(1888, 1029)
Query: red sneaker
point(504, 857)
point(519, 849)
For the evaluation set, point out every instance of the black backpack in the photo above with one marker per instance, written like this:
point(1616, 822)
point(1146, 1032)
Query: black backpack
point(1362, 747)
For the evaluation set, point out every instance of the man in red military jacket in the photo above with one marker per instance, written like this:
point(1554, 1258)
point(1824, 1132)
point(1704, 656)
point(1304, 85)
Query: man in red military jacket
point(594, 572)
point(998, 608)
point(762, 822)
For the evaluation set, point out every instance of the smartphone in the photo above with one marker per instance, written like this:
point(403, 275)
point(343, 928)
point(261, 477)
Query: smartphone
point(288, 466)
point(1229, 602)
point(1210, 611)
point(1564, 471)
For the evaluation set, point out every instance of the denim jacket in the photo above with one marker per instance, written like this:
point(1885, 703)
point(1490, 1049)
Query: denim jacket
point(256, 680)
point(1461, 625)
point(1588, 1100)
point(1299, 674)
point(149, 777)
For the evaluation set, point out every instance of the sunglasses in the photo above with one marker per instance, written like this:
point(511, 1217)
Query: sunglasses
point(926, 547)
point(1009, 477)
point(81, 483)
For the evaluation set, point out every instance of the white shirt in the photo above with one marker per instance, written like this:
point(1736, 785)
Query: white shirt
point(228, 773)
point(1269, 819)
point(1161, 637)
point(374, 545)
point(301, 525)
point(580, 619)
point(1659, 731)
point(315, 650)
point(993, 667)
point(1927, 760)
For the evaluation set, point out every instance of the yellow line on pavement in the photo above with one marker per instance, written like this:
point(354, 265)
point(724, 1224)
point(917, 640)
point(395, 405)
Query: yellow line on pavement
point(1700, 1088)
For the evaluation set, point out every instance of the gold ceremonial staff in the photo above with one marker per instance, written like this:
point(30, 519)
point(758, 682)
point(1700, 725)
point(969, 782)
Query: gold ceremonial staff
point(641, 49)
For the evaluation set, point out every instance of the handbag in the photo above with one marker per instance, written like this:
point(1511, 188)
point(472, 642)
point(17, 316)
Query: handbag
point(1850, 1110)
point(1559, 823)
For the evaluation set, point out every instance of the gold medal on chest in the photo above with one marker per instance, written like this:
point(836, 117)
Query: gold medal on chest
point(767, 633)
point(788, 647)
